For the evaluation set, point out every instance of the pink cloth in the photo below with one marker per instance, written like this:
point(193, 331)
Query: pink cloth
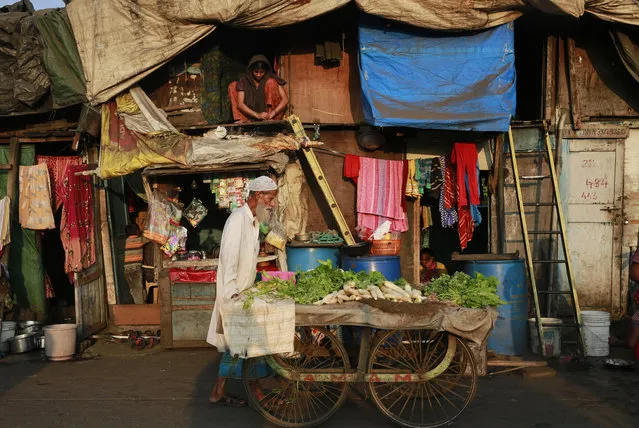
point(379, 194)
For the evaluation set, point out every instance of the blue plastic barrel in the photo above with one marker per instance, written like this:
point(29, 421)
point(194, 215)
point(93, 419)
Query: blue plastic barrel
point(301, 259)
point(386, 265)
point(509, 337)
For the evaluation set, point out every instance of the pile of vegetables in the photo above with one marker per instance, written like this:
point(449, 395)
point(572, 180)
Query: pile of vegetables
point(325, 285)
point(464, 290)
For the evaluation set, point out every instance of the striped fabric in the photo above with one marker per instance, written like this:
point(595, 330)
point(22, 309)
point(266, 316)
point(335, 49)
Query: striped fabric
point(379, 194)
point(447, 196)
point(133, 250)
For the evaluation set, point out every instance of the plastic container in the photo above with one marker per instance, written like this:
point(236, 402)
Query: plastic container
point(302, 259)
point(60, 341)
point(7, 332)
point(509, 334)
point(552, 336)
point(596, 332)
point(387, 265)
point(385, 247)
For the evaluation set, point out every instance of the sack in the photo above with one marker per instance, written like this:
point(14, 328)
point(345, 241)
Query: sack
point(162, 214)
point(266, 328)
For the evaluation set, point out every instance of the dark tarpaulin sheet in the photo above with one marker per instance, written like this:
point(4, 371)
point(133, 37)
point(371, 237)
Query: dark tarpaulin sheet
point(61, 58)
point(433, 80)
point(25, 263)
point(24, 84)
point(626, 40)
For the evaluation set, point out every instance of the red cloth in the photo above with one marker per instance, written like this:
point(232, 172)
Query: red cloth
point(57, 166)
point(351, 167)
point(464, 157)
point(450, 187)
point(77, 230)
point(273, 99)
point(465, 226)
point(190, 275)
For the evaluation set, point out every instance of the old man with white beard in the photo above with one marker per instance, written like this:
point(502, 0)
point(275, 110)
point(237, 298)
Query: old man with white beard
point(237, 270)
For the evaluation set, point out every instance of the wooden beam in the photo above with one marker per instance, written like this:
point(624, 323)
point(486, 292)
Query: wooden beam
point(6, 140)
point(417, 232)
point(165, 309)
point(12, 180)
point(135, 315)
point(107, 255)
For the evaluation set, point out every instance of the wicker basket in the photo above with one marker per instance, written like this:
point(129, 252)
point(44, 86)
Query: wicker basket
point(385, 247)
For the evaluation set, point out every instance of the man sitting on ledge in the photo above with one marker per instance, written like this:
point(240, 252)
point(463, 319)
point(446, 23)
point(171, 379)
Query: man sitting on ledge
point(258, 95)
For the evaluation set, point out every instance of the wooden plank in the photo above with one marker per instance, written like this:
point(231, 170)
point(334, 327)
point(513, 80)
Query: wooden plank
point(328, 95)
point(166, 312)
point(470, 257)
point(516, 363)
point(417, 232)
point(192, 307)
point(207, 262)
point(107, 255)
point(12, 180)
point(187, 343)
point(136, 315)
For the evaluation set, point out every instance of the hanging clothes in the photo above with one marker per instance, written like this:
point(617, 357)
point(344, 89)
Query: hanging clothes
point(436, 178)
point(57, 167)
point(379, 194)
point(427, 218)
point(5, 216)
point(77, 226)
point(35, 198)
point(351, 167)
point(412, 187)
point(423, 174)
point(447, 196)
point(464, 157)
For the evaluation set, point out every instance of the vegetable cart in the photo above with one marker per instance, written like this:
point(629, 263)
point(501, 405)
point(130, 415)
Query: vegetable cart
point(418, 366)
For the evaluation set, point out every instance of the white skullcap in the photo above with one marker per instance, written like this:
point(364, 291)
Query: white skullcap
point(262, 184)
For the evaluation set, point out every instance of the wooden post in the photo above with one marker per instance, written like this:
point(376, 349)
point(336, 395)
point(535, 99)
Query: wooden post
point(12, 180)
point(417, 233)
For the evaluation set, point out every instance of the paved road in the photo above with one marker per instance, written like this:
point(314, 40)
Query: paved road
point(124, 388)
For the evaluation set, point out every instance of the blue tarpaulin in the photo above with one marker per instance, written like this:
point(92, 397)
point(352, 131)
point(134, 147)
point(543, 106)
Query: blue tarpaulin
point(434, 80)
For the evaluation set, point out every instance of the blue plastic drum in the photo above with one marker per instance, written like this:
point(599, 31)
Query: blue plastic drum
point(387, 265)
point(509, 337)
point(302, 259)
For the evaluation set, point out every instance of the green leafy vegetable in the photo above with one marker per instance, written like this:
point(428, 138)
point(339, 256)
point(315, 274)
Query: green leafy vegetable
point(312, 285)
point(464, 290)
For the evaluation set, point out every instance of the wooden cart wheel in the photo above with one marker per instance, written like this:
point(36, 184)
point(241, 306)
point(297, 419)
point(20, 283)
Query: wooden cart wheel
point(430, 403)
point(302, 403)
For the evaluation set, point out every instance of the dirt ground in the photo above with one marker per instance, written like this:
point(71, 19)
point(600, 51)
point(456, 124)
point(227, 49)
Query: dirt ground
point(114, 385)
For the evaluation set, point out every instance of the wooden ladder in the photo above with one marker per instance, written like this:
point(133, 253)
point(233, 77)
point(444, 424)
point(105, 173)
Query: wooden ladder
point(319, 175)
point(531, 262)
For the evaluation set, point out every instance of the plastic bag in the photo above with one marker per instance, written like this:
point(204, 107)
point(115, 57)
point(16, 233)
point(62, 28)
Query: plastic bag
point(195, 212)
point(161, 215)
point(176, 240)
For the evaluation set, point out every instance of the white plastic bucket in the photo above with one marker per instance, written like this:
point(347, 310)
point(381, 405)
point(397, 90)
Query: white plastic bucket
point(60, 341)
point(596, 332)
point(552, 336)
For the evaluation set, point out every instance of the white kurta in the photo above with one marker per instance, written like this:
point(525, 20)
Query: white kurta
point(237, 266)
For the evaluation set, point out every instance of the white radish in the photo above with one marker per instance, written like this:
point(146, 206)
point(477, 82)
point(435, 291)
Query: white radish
point(395, 288)
point(408, 289)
